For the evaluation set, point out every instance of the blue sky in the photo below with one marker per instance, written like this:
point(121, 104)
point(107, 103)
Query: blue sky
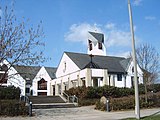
point(66, 22)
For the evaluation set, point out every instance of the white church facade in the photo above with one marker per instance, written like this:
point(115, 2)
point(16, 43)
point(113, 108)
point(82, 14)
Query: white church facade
point(75, 69)
point(94, 68)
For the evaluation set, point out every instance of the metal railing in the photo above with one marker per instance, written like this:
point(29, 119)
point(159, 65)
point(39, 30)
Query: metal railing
point(66, 96)
point(70, 99)
point(28, 103)
point(25, 99)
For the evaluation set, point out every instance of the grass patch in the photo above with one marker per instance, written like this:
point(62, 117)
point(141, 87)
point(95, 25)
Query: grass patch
point(152, 117)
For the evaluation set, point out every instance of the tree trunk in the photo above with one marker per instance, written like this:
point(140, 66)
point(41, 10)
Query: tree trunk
point(145, 88)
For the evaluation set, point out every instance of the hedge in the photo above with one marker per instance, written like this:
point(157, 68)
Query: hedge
point(109, 91)
point(126, 103)
point(98, 92)
point(10, 92)
point(12, 108)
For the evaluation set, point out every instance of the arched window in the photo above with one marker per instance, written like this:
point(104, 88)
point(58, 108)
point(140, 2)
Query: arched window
point(42, 84)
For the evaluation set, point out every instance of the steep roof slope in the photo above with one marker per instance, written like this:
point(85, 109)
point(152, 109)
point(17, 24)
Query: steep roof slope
point(27, 71)
point(113, 64)
point(51, 71)
point(125, 63)
point(98, 36)
point(31, 71)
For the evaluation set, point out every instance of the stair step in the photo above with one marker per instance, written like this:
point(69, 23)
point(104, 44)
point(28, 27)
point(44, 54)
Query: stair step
point(58, 105)
point(46, 99)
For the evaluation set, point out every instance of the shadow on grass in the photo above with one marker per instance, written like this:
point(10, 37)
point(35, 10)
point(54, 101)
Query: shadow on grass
point(155, 116)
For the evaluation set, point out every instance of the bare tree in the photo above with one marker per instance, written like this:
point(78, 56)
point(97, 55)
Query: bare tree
point(148, 59)
point(20, 43)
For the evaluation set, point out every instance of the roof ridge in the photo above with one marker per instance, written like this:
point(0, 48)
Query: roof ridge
point(96, 55)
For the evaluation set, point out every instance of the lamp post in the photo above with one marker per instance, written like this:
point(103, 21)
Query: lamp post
point(137, 109)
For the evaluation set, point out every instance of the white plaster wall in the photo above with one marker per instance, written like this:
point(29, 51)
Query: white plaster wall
point(56, 81)
point(96, 51)
point(97, 72)
point(128, 81)
point(129, 71)
point(70, 66)
point(82, 73)
point(14, 78)
point(41, 74)
point(120, 83)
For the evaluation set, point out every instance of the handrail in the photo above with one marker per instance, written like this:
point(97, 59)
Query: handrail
point(73, 99)
point(25, 99)
point(66, 96)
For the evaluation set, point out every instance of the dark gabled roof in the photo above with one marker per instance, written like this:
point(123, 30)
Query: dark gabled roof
point(113, 64)
point(31, 71)
point(27, 71)
point(51, 71)
point(125, 63)
point(98, 36)
point(92, 65)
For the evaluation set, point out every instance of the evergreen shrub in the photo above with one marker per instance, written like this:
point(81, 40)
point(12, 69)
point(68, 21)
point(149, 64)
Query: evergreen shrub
point(10, 92)
point(12, 108)
point(126, 103)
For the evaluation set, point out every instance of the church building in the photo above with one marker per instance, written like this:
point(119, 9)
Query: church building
point(94, 68)
point(75, 69)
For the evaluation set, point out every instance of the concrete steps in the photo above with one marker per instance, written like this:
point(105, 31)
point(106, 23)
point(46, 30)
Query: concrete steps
point(53, 105)
point(45, 102)
point(46, 99)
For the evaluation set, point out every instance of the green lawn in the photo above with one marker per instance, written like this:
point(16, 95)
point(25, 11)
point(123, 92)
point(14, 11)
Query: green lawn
point(155, 117)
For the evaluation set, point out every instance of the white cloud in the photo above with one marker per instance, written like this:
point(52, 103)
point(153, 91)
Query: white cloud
point(121, 54)
point(150, 18)
point(137, 2)
point(118, 38)
point(115, 37)
point(110, 26)
point(79, 32)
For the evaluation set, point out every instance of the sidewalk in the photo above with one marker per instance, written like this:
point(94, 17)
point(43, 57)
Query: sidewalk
point(81, 113)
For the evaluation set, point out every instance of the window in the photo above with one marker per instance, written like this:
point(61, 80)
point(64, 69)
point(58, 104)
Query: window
point(3, 73)
point(42, 84)
point(3, 77)
point(4, 68)
point(132, 69)
point(119, 77)
point(90, 45)
point(28, 82)
point(64, 67)
point(27, 90)
point(100, 45)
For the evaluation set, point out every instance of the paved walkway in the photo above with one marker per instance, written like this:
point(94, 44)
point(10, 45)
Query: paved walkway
point(81, 113)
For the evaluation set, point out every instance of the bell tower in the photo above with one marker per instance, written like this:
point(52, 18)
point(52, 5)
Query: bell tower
point(96, 44)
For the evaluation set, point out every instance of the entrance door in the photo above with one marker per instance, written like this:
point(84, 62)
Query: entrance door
point(53, 89)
